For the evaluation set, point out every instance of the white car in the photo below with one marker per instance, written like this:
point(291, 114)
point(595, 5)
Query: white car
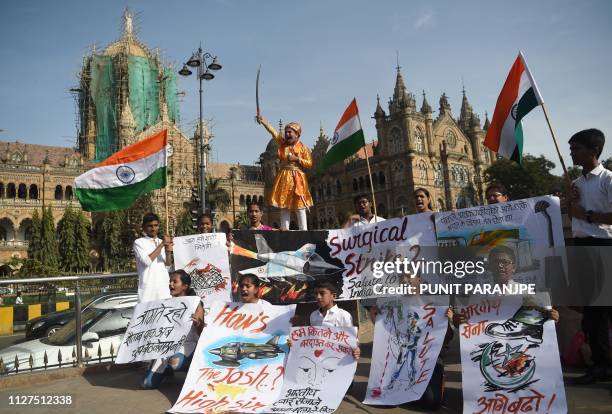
point(104, 325)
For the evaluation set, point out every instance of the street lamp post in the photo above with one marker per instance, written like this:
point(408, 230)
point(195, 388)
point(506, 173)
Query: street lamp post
point(198, 60)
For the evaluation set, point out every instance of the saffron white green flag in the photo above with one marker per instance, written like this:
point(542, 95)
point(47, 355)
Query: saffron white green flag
point(518, 97)
point(348, 137)
point(119, 180)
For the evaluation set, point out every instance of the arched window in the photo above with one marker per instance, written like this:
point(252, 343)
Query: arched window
point(367, 181)
point(242, 202)
point(328, 190)
point(33, 193)
point(361, 185)
point(1, 190)
point(248, 200)
point(418, 140)
point(381, 178)
point(260, 201)
point(22, 191)
point(398, 171)
point(59, 192)
point(438, 178)
point(395, 141)
point(423, 170)
point(11, 192)
point(375, 179)
point(338, 187)
point(68, 193)
point(355, 185)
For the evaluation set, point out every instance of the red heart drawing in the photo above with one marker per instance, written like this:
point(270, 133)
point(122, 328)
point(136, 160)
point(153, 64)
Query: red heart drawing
point(318, 352)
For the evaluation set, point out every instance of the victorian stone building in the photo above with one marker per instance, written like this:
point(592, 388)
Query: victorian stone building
point(414, 149)
point(125, 94)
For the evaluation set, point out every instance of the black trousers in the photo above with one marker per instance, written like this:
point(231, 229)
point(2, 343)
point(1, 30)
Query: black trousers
point(596, 319)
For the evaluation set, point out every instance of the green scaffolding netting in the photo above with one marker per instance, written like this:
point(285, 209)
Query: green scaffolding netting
point(103, 88)
point(144, 91)
point(170, 93)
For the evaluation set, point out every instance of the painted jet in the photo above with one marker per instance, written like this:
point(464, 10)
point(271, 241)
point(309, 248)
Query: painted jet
point(302, 264)
point(232, 352)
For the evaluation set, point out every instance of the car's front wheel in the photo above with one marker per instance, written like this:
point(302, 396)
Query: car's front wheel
point(51, 330)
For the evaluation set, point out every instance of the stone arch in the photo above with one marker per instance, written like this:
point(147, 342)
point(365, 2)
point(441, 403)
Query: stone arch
point(419, 141)
point(11, 191)
point(33, 192)
point(59, 192)
point(1, 190)
point(7, 229)
point(68, 195)
point(225, 226)
point(25, 229)
point(242, 200)
point(423, 170)
point(6, 270)
point(260, 201)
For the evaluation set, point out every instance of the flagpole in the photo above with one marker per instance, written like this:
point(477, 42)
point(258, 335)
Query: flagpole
point(371, 184)
point(369, 170)
point(554, 140)
point(166, 193)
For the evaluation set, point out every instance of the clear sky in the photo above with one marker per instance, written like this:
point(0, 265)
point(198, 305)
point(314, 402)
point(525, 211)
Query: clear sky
point(315, 56)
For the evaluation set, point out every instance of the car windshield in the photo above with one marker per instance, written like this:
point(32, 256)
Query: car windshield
point(67, 332)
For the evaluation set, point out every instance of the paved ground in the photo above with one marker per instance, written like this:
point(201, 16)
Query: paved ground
point(118, 391)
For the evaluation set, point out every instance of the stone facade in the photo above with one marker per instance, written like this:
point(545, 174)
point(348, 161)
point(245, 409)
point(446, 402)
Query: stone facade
point(445, 155)
point(33, 176)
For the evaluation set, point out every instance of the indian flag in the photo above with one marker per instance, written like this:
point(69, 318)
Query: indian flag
point(518, 97)
point(119, 180)
point(348, 137)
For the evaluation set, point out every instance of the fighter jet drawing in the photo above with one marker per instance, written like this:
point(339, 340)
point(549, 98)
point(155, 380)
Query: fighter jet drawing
point(232, 352)
point(302, 264)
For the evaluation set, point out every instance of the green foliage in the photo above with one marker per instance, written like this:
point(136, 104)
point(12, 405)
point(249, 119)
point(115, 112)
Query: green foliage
point(216, 197)
point(48, 249)
point(242, 220)
point(82, 243)
point(66, 238)
point(607, 163)
point(112, 253)
point(34, 245)
point(184, 224)
point(531, 178)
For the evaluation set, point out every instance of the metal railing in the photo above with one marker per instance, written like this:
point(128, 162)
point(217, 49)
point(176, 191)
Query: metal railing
point(77, 354)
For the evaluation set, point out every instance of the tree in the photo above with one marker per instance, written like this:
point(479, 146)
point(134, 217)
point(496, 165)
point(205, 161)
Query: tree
point(49, 249)
point(217, 198)
point(66, 238)
point(184, 225)
point(607, 163)
point(109, 241)
point(82, 243)
point(531, 178)
point(34, 245)
point(242, 220)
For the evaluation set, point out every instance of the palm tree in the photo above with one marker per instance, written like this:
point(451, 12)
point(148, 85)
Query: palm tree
point(216, 197)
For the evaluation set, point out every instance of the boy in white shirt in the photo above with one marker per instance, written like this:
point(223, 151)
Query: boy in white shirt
point(329, 314)
point(153, 257)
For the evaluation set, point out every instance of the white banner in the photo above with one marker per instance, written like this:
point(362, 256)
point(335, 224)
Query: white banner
point(408, 337)
point(158, 329)
point(509, 358)
point(319, 370)
point(359, 247)
point(238, 363)
point(205, 258)
point(531, 227)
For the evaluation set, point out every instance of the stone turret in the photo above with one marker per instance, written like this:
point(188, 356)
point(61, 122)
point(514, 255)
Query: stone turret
point(465, 116)
point(425, 107)
point(445, 107)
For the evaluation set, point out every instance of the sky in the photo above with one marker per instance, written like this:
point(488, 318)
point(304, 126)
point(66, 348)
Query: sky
point(315, 56)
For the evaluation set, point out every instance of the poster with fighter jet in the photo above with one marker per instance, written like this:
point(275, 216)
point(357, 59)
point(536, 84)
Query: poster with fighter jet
point(530, 228)
point(287, 263)
point(320, 369)
point(509, 352)
point(237, 365)
point(408, 336)
point(205, 258)
point(360, 248)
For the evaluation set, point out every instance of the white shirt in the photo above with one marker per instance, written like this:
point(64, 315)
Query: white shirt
point(153, 277)
point(364, 221)
point(334, 317)
point(595, 191)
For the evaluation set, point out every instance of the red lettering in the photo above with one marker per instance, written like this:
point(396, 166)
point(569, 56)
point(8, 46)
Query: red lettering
point(424, 376)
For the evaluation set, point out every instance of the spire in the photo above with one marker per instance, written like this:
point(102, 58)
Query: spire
point(486, 123)
point(321, 129)
point(444, 105)
point(379, 113)
point(425, 108)
point(399, 92)
point(280, 126)
point(466, 108)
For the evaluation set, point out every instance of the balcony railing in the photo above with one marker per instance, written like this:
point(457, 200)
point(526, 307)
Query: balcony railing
point(14, 243)
point(80, 354)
